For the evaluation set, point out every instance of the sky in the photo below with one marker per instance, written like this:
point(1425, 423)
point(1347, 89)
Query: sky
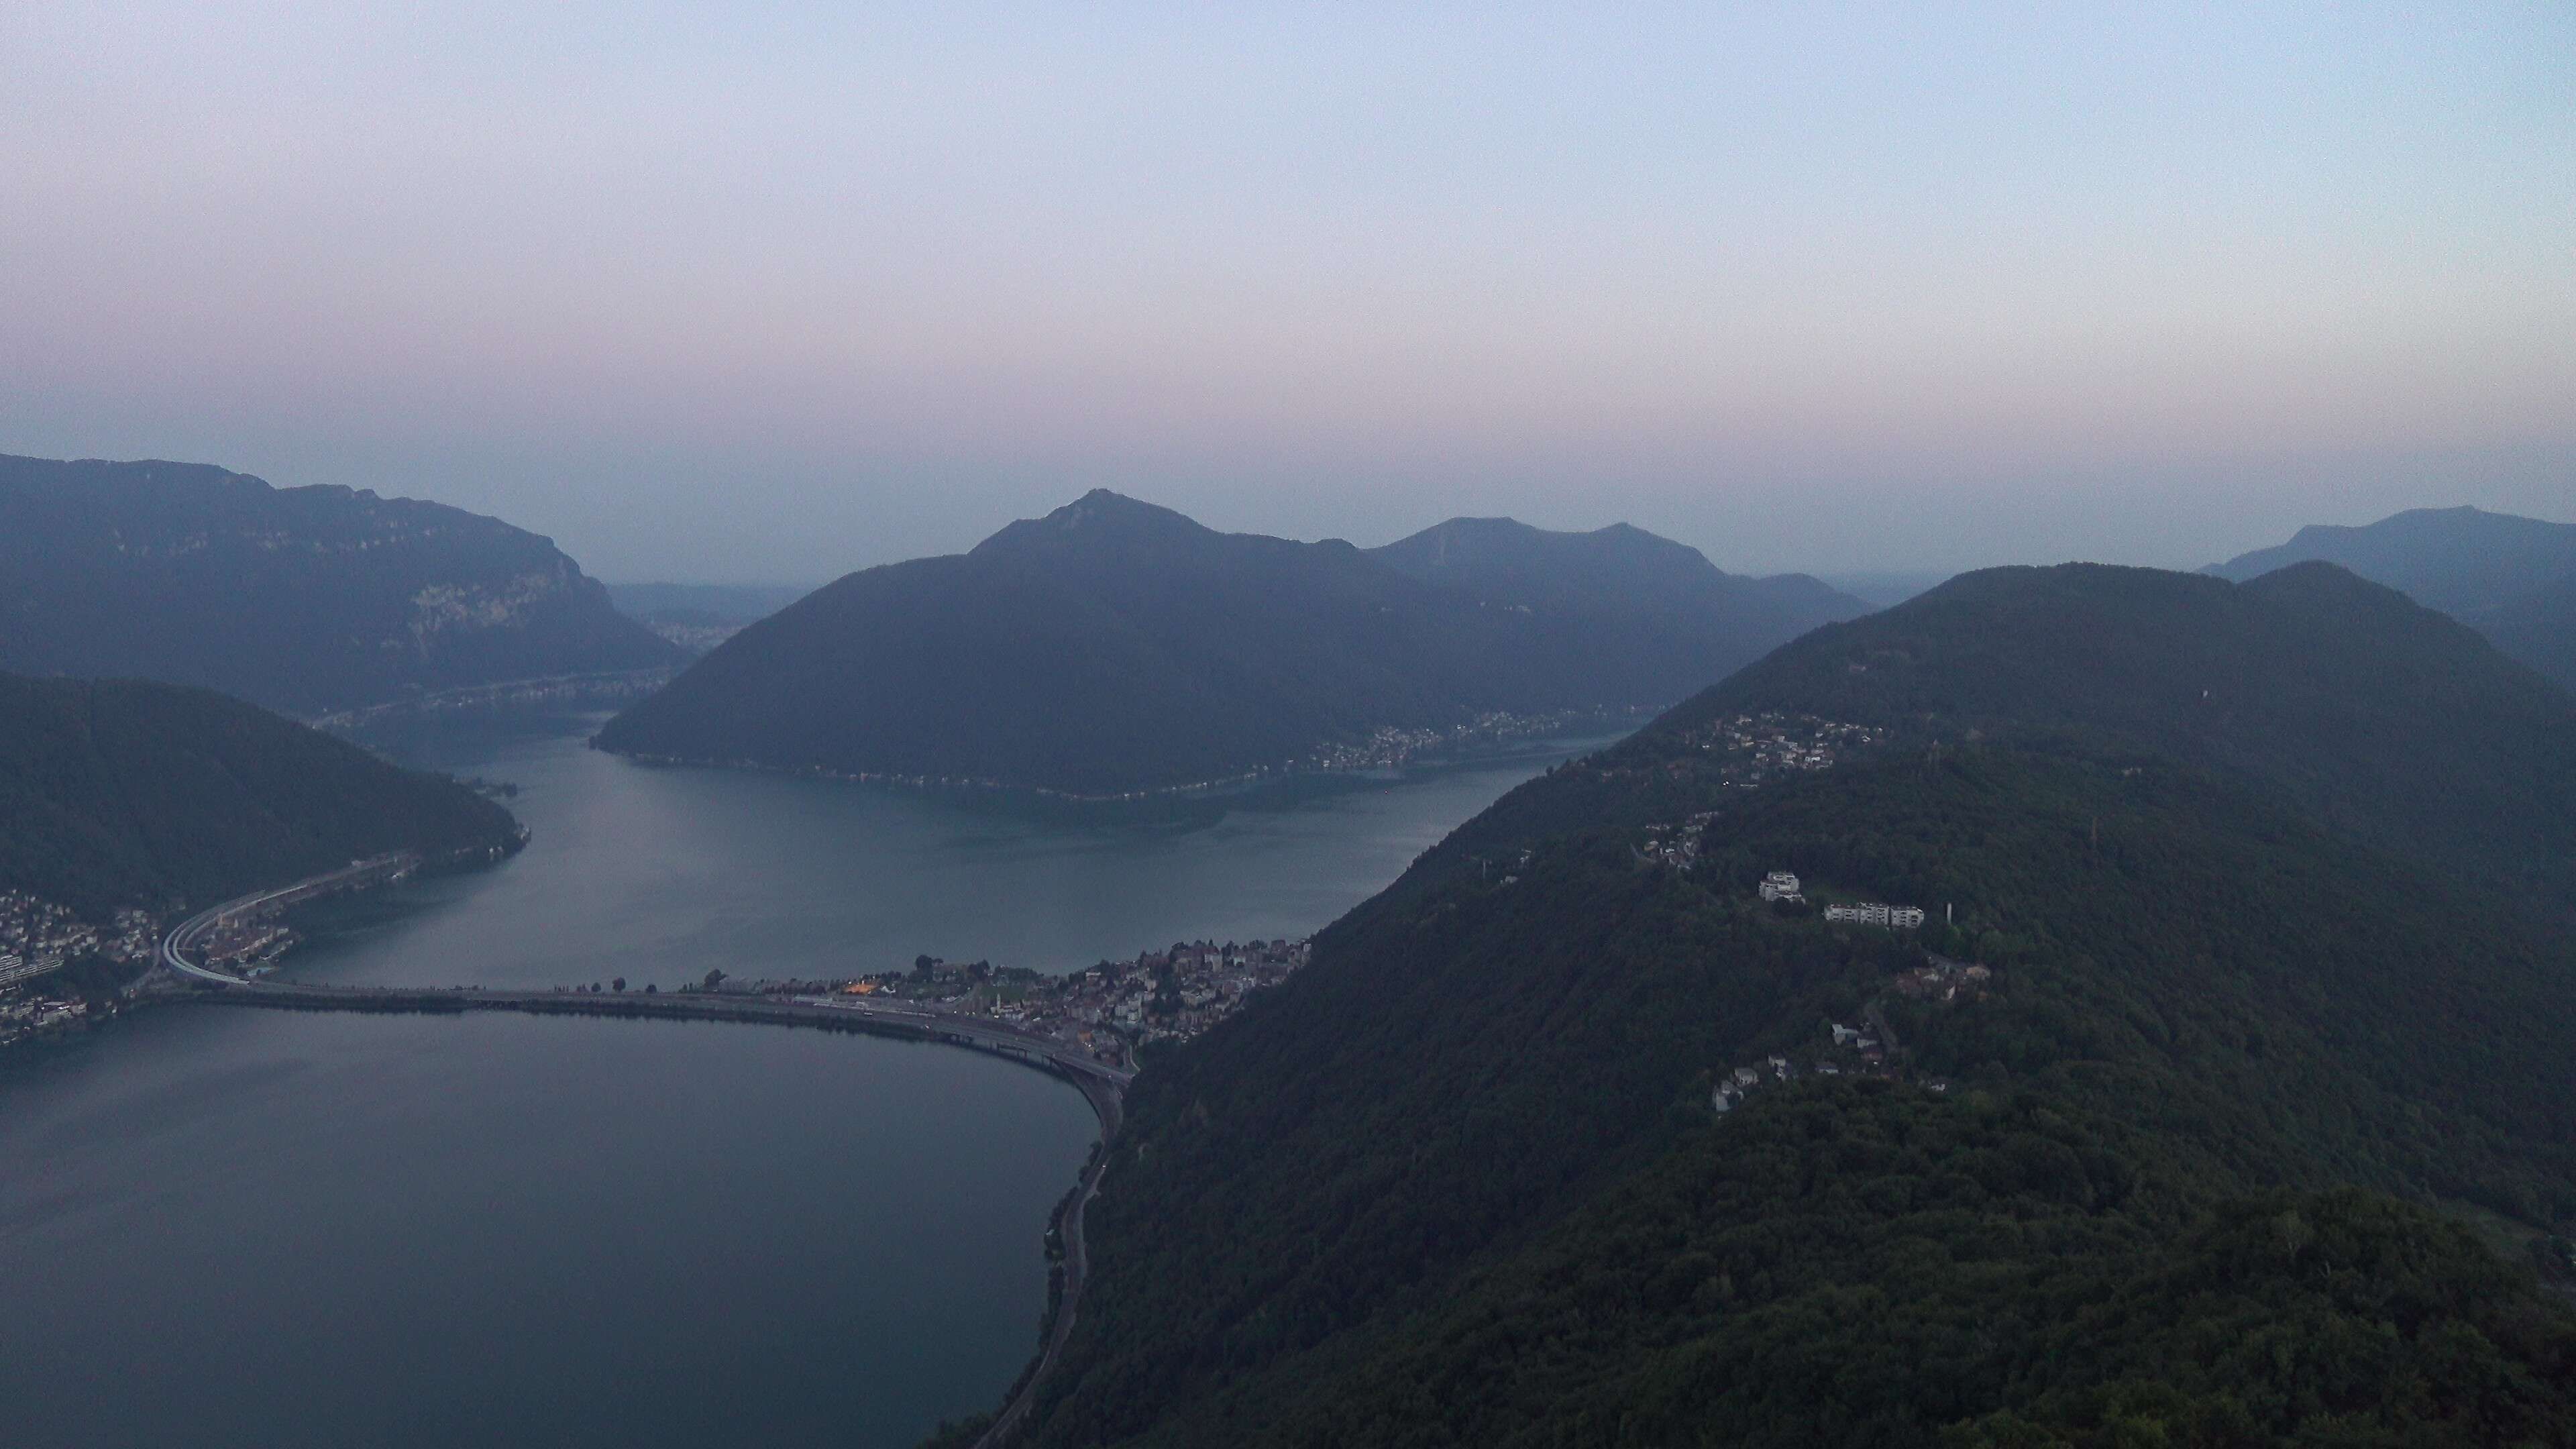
point(772, 292)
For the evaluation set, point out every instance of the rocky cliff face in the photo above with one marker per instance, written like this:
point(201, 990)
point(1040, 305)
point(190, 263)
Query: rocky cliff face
point(302, 599)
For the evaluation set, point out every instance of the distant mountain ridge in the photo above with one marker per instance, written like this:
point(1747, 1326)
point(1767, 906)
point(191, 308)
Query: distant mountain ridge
point(2511, 578)
point(1621, 566)
point(1114, 646)
point(305, 600)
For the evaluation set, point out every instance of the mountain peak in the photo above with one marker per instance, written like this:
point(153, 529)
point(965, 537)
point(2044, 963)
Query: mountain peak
point(1099, 519)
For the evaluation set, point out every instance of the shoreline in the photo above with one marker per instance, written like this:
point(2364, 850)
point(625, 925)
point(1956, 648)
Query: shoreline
point(1246, 784)
point(1103, 1089)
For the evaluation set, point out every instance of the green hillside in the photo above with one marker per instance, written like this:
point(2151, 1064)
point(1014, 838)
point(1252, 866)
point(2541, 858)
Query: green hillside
point(2539, 629)
point(2372, 712)
point(1115, 646)
point(2193, 1178)
point(118, 793)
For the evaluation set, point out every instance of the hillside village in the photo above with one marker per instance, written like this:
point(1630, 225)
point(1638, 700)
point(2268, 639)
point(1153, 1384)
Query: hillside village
point(1867, 1050)
point(1752, 748)
point(39, 940)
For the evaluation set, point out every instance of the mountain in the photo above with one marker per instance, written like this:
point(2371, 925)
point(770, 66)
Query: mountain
point(1114, 646)
point(2539, 629)
point(2508, 577)
point(2461, 561)
point(2218, 1144)
point(305, 600)
point(1660, 608)
point(1619, 568)
point(2370, 711)
point(125, 793)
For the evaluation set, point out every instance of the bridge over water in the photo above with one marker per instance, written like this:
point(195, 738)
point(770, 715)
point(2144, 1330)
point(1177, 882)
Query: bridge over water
point(1101, 1085)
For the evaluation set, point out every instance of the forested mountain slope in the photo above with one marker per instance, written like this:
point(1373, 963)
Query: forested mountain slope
point(124, 793)
point(2539, 629)
point(305, 600)
point(1115, 646)
point(2205, 1116)
point(2372, 712)
point(1673, 601)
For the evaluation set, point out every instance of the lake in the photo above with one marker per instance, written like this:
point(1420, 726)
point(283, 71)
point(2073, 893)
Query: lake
point(255, 1228)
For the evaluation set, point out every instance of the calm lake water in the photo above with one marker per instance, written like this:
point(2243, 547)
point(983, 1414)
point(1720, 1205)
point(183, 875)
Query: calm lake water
point(253, 1228)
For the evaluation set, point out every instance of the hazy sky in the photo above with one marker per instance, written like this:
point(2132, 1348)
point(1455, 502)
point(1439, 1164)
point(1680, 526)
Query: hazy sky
point(737, 292)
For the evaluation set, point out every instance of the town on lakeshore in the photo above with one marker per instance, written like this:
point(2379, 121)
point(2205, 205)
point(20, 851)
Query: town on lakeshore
point(39, 939)
point(1106, 1011)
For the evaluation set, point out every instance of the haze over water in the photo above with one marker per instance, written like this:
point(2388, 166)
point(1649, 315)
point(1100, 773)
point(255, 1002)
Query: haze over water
point(272, 1229)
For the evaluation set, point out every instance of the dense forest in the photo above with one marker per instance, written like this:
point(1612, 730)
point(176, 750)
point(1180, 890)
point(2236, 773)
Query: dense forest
point(305, 600)
point(2258, 1130)
point(2366, 710)
point(1115, 646)
point(119, 792)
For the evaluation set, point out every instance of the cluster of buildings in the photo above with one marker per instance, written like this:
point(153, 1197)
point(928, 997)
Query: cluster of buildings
point(568, 691)
point(1849, 1051)
point(1751, 748)
point(1781, 885)
point(1173, 994)
point(1676, 845)
point(38, 938)
point(1108, 1010)
point(246, 945)
point(1876, 913)
point(30, 1015)
point(1943, 980)
point(1388, 747)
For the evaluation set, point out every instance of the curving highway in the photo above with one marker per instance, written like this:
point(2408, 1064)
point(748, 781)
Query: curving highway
point(186, 936)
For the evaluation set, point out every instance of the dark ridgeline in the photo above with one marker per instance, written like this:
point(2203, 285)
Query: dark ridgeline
point(2371, 712)
point(2246, 1043)
point(124, 793)
point(2539, 629)
point(2512, 579)
point(1114, 646)
point(305, 600)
